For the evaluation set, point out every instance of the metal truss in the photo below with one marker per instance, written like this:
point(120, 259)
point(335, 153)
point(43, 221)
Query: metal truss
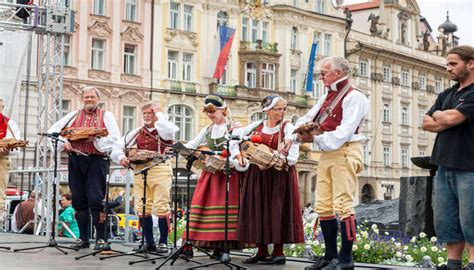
point(50, 20)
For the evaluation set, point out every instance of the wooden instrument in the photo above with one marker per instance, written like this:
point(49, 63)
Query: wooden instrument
point(310, 128)
point(210, 163)
point(83, 133)
point(140, 156)
point(11, 144)
point(263, 156)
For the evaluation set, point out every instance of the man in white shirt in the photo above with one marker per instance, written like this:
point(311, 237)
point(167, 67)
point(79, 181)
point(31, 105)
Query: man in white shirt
point(87, 174)
point(156, 135)
point(8, 130)
point(338, 116)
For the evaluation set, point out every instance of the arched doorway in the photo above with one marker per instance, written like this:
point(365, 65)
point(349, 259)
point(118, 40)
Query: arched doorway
point(367, 194)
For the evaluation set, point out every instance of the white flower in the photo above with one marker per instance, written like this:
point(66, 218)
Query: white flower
point(423, 249)
point(422, 235)
point(292, 246)
point(365, 234)
point(386, 233)
point(355, 247)
point(323, 245)
point(374, 226)
point(398, 245)
point(434, 249)
point(434, 239)
point(398, 254)
point(405, 248)
point(316, 242)
point(376, 231)
point(366, 246)
point(440, 259)
point(409, 258)
point(413, 239)
point(392, 239)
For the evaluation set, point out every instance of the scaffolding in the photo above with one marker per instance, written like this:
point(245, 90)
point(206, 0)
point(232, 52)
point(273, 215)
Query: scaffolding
point(50, 20)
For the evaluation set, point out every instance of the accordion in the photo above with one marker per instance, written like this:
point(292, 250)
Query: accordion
point(13, 144)
point(82, 133)
point(263, 156)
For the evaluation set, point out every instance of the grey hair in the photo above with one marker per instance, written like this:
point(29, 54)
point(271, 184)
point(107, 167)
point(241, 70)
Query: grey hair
point(148, 104)
point(338, 63)
point(90, 88)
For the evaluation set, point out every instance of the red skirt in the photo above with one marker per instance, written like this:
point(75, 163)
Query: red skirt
point(270, 209)
point(207, 216)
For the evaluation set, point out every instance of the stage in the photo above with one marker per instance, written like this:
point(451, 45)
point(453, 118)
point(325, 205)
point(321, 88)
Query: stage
point(50, 258)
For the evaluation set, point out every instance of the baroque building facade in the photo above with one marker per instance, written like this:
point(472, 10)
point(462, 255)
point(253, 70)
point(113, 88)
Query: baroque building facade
point(136, 50)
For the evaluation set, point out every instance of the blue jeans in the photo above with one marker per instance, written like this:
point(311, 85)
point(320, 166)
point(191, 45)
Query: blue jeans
point(453, 205)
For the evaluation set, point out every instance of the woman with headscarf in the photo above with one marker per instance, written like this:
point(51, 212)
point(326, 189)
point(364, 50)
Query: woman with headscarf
point(270, 210)
point(206, 227)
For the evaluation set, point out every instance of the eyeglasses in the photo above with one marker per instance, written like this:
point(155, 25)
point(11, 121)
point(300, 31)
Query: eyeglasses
point(279, 109)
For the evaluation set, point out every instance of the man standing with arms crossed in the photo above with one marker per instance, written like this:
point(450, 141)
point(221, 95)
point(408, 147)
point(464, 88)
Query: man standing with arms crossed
point(452, 118)
point(87, 173)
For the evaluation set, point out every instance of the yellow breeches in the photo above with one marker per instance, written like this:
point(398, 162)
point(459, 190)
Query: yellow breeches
point(157, 190)
point(337, 184)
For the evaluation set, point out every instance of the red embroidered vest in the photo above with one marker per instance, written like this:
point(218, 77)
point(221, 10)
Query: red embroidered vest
point(334, 120)
point(149, 140)
point(84, 119)
point(271, 140)
point(3, 126)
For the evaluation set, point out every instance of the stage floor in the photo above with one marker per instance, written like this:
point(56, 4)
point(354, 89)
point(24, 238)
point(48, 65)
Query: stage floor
point(50, 258)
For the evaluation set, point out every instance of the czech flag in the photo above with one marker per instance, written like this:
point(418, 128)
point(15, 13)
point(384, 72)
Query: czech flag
point(221, 54)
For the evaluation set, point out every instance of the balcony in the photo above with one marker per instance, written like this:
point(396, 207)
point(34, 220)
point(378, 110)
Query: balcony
point(248, 46)
point(223, 90)
point(179, 86)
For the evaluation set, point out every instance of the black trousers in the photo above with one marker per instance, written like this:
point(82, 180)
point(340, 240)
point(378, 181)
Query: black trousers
point(87, 177)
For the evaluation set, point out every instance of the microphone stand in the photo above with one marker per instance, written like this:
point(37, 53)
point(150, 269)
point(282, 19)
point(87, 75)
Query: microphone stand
point(225, 258)
point(52, 240)
point(177, 252)
point(141, 252)
point(106, 245)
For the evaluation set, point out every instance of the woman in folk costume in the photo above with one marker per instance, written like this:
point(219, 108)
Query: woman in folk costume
point(207, 215)
point(270, 210)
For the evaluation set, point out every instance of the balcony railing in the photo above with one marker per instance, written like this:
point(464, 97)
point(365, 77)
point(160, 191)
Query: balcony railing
point(259, 46)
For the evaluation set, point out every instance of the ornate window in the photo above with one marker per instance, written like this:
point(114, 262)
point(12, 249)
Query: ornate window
point(387, 155)
point(404, 115)
point(223, 19)
point(131, 10)
point(188, 18)
point(129, 59)
point(268, 76)
point(172, 65)
point(129, 116)
point(174, 15)
point(251, 74)
point(386, 113)
point(99, 7)
point(294, 38)
point(293, 80)
point(98, 54)
point(182, 116)
point(187, 67)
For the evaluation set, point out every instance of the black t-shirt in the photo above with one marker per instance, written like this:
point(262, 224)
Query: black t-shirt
point(454, 147)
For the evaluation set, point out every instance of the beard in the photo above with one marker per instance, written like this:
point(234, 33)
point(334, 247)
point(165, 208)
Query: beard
point(463, 74)
point(89, 107)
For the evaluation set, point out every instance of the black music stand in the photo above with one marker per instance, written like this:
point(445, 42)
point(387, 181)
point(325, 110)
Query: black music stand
point(225, 258)
point(106, 246)
point(178, 148)
point(141, 251)
point(52, 239)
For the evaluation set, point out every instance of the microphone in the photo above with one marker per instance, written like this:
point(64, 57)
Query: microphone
point(210, 152)
point(252, 138)
point(52, 135)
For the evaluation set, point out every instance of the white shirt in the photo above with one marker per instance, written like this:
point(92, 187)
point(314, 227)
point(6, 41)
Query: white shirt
point(163, 126)
point(104, 144)
point(217, 131)
point(293, 153)
point(15, 135)
point(355, 107)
